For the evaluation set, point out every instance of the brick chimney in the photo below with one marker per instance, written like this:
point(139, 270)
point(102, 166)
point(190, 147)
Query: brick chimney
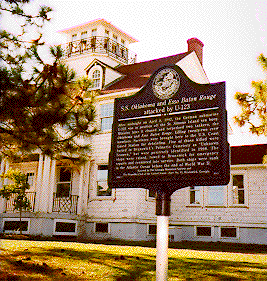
point(196, 45)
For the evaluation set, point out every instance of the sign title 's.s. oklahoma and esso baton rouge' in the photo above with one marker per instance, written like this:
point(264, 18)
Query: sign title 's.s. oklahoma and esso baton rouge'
point(171, 134)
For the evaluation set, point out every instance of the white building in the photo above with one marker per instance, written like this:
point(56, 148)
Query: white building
point(76, 200)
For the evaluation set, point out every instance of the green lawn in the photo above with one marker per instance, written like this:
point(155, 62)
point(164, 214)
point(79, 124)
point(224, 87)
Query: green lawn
point(34, 260)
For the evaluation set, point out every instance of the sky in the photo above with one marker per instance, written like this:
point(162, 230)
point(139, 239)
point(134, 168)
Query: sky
point(233, 33)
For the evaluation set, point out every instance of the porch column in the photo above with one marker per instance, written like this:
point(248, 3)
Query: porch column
point(51, 186)
point(39, 182)
point(80, 199)
point(2, 200)
point(43, 206)
point(85, 195)
point(6, 169)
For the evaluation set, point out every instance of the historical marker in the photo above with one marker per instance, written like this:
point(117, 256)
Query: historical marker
point(171, 134)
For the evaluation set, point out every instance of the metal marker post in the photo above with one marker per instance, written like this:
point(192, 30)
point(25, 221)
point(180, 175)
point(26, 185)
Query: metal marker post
point(163, 213)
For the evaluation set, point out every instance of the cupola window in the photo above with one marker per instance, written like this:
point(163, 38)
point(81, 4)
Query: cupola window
point(74, 37)
point(84, 35)
point(94, 31)
point(115, 37)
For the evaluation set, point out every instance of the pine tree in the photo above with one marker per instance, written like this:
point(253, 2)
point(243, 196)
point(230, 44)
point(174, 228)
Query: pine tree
point(42, 107)
point(253, 105)
point(17, 187)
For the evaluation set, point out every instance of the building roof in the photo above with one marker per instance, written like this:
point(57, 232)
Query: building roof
point(136, 75)
point(248, 154)
point(104, 23)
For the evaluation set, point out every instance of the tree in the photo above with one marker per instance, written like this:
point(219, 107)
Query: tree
point(18, 187)
point(254, 105)
point(42, 107)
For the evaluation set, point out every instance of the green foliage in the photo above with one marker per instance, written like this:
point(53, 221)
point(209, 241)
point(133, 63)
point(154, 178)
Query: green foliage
point(42, 107)
point(253, 105)
point(18, 187)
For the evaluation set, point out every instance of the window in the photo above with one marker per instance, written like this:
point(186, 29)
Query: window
point(74, 37)
point(115, 44)
point(106, 115)
point(194, 195)
point(94, 32)
point(106, 41)
point(65, 227)
point(84, 35)
point(96, 78)
point(106, 33)
point(102, 181)
point(30, 178)
point(64, 182)
point(115, 37)
point(122, 42)
point(203, 231)
point(228, 232)
point(216, 195)
point(238, 189)
point(102, 227)
point(152, 229)
point(14, 224)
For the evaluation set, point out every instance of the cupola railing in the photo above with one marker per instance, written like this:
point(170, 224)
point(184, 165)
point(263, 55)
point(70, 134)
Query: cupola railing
point(100, 45)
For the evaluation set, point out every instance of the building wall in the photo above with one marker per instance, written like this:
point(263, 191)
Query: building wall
point(128, 213)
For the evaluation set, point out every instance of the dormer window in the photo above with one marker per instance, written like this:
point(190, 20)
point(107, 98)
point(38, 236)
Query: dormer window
point(106, 33)
point(96, 79)
point(95, 73)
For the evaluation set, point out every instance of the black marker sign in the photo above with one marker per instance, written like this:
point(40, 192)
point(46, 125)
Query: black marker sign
point(171, 134)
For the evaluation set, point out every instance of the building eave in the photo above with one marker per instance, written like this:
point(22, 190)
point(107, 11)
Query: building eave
point(96, 22)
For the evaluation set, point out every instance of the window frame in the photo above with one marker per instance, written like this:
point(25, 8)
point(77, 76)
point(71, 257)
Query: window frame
point(33, 178)
point(111, 190)
point(207, 196)
point(16, 231)
point(229, 238)
point(200, 189)
point(75, 233)
point(207, 226)
point(98, 232)
point(246, 190)
point(96, 78)
point(90, 75)
point(84, 35)
point(231, 192)
point(74, 36)
point(62, 182)
point(107, 33)
point(94, 32)
point(115, 37)
point(109, 117)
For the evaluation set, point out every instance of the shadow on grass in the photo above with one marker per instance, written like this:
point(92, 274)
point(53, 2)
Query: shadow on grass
point(200, 269)
point(142, 267)
point(220, 247)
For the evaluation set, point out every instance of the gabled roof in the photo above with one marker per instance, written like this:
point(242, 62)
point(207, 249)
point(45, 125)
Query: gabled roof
point(137, 74)
point(98, 61)
point(248, 154)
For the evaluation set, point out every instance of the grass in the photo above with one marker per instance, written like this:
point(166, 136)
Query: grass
point(47, 260)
